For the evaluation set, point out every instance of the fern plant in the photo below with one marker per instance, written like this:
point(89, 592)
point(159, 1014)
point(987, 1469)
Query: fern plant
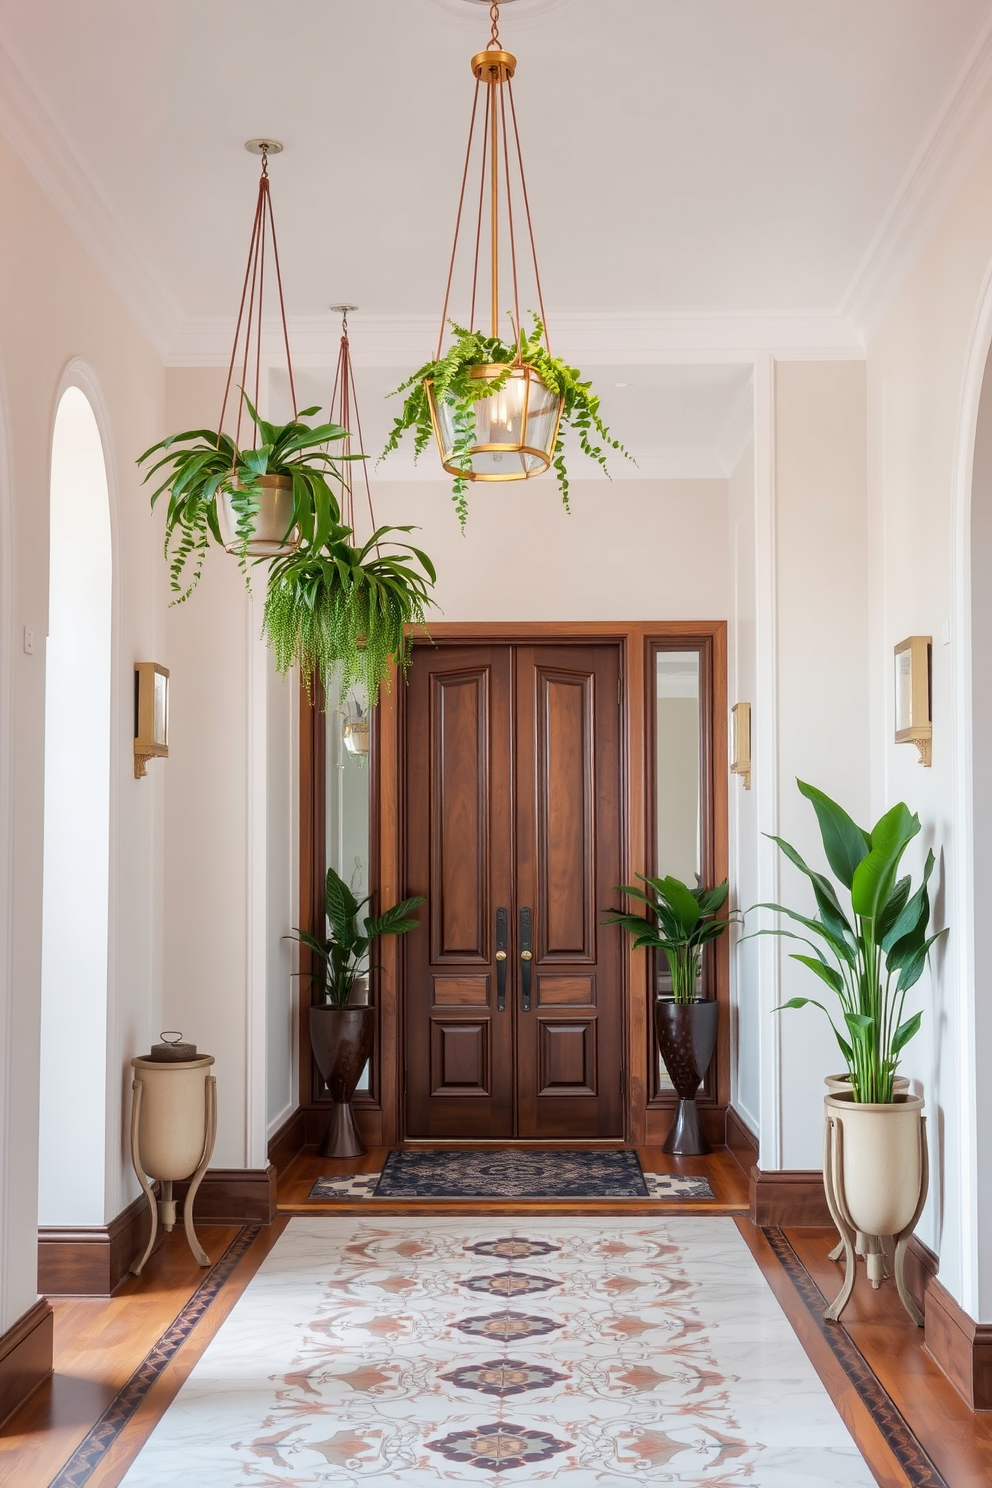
point(199, 463)
point(454, 384)
point(349, 608)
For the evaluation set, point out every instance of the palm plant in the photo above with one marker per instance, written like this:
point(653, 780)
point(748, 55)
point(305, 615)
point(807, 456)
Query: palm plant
point(453, 383)
point(200, 463)
point(343, 952)
point(680, 922)
point(347, 607)
point(872, 955)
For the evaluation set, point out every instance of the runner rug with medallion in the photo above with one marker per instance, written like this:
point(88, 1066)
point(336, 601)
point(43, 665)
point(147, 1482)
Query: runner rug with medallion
point(584, 1352)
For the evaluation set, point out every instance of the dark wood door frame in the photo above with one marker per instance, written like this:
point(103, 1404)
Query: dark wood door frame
point(648, 1111)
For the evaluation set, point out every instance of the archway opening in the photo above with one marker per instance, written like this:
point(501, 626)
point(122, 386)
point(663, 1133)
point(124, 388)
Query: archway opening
point(72, 1152)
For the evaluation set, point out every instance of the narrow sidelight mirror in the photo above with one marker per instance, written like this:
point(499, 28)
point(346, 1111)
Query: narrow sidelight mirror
point(348, 795)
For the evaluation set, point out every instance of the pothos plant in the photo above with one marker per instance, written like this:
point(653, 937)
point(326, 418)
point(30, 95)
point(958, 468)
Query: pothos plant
point(332, 609)
point(200, 463)
point(453, 383)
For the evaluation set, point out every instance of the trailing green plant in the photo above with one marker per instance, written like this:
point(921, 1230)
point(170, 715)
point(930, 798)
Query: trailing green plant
point(341, 954)
point(346, 609)
point(199, 463)
point(680, 921)
point(453, 384)
point(872, 954)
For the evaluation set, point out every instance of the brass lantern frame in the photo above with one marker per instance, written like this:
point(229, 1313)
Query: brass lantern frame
point(490, 372)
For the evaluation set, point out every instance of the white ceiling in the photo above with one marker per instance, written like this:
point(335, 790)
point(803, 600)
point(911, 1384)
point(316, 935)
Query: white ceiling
point(730, 165)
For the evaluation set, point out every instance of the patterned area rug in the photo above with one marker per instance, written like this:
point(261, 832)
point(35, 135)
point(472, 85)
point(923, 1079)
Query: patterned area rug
point(658, 1186)
point(387, 1352)
point(514, 1173)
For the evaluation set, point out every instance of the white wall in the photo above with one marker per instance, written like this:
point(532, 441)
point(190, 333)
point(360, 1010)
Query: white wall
point(76, 885)
point(630, 550)
point(925, 365)
point(55, 307)
point(743, 816)
point(822, 678)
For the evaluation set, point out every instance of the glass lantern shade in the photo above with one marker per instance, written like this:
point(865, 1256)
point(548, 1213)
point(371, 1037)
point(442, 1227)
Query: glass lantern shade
point(516, 429)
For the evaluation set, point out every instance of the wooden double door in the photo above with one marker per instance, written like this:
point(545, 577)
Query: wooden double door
point(513, 817)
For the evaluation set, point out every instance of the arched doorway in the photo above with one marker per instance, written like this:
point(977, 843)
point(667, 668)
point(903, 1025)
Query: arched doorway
point(72, 1148)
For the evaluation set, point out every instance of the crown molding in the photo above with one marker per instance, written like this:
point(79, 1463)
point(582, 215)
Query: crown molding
point(66, 179)
point(594, 338)
point(960, 131)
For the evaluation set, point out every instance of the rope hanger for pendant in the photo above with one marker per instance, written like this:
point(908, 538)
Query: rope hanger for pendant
point(494, 68)
point(250, 310)
point(344, 409)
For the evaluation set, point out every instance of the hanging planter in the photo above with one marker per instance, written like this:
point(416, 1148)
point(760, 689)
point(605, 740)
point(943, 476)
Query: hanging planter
point(332, 606)
point(498, 408)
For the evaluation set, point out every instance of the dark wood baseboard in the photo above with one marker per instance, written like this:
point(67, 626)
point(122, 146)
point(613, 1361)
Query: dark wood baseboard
point(962, 1347)
point(741, 1142)
point(234, 1196)
point(288, 1142)
point(27, 1353)
point(789, 1198)
point(91, 1261)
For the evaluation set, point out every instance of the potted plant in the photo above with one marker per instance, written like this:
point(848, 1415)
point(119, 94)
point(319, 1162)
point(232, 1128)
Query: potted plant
point(680, 921)
point(256, 502)
point(347, 608)
point(476, 368)
point(868, 952)
point(341, 1032)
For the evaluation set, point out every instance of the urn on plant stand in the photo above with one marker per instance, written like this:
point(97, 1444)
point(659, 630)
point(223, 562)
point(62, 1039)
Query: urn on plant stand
point(868, 953)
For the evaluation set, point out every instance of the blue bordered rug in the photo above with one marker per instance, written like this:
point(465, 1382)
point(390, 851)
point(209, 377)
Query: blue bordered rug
point(513, 1174)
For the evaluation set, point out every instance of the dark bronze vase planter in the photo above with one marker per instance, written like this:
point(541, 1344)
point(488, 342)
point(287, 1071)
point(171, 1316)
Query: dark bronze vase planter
point(687, 1038)
point(341, 1039)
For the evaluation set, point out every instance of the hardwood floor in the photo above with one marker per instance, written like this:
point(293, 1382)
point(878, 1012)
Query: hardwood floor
point(101, 1342)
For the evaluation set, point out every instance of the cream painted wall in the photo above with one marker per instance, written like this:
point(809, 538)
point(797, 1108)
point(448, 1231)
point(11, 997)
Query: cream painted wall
point(230, 851)
point(743, 816)
point(54, 308)
point(822, 732)
point(633, 550)
point(925, 362)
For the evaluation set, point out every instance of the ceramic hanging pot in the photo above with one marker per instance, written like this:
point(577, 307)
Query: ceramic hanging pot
point(273, 533)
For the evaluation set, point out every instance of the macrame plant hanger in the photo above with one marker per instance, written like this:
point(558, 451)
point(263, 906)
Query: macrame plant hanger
point(344, 412)
point(273, 531)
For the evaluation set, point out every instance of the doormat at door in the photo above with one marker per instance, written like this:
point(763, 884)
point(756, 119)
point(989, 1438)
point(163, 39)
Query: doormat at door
point(524, 1174)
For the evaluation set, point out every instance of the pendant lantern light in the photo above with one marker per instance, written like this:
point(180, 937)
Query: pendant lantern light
point(516, 427)
point(273, 536)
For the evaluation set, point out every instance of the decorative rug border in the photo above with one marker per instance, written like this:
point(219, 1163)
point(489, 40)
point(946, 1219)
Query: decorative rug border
point(884, 1412)
point(101, 1437)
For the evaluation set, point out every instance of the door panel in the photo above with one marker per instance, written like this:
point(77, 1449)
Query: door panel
point(459, 1057)
point(513, 802)
point(569, 820)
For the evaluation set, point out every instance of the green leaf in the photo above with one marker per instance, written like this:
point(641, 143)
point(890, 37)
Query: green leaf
point(827, 974)
point(875, 876)
point(844, 843)
point(905, 1032)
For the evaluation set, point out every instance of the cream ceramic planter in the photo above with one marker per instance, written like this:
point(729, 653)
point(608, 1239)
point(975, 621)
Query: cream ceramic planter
point(173, 1127)
point(273, 533)
point(870, 1246)
point(875, 1174)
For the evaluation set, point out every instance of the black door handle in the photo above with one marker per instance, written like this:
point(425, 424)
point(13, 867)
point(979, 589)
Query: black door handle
point(526, 957)
point(501, 937)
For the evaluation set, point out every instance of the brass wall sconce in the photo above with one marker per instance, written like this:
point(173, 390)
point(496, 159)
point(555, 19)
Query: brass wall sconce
point(913, 695)
point(151, 714)
point(740, 742)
